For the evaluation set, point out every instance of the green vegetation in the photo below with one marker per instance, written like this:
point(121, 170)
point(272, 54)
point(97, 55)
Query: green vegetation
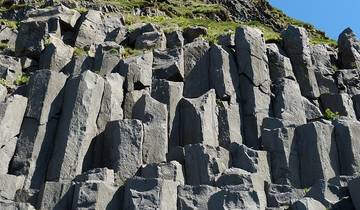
point(9, 23)
point(114, 51)
point(129, 52)
point(330, 115)
point(79, 52)
point(3, 46)
point(5, 83)
point(22, 80)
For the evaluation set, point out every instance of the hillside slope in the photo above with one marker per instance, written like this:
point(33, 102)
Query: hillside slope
point(175, 105)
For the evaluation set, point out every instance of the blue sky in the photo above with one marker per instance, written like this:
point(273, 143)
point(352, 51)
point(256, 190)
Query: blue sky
point(331, 16)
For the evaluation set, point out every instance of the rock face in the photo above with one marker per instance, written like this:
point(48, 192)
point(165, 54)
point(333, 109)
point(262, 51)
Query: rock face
point(123, 116)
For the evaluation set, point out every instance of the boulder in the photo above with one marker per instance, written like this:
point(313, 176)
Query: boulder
point(196, 68)
point(79, 64)
point(288, 103)
point(169, 64)
point(9, 184)
point(340, 103)
point(66, 15)
point(203, 163)
point(7, 151)
point(138, 71)
point(198, 122)
point(349, 49)
point(95, 195)
point(250, 160)
point(317, 152)
point(123, 148)
point(45, 92)
point(130, 100)
point(307, 204)
point(77, 126)
point(56, 196)
point(229, 123)
point(193, 32)
point(151, 40)
point(8, 36)
point(104, 175)
point(174, 39)
point(195, 197)
point(348, 81)
point(227, 40)
point(312, 112)
point(15, 205)
point(154, 116)
point(347, 136)
point(284, 159)
point(170, 93)
point(139, 29)
point(10, 68)
point(224, 76)
point(282, 195)
point(251, 55)
point(112, 99)
point(327, 193)
point(296, 46)
point(107, 58)
point(255, 103)
point(279, 65)
point(143, 193)
point(170, 171)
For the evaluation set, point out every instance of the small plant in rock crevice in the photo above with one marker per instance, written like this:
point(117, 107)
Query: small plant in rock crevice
point(330, 115)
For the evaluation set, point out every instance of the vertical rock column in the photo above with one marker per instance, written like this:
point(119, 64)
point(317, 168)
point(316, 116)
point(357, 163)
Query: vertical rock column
point(35, 144)
point(77, 125)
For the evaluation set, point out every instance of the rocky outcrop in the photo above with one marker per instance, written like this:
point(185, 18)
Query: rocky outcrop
point(118, 116)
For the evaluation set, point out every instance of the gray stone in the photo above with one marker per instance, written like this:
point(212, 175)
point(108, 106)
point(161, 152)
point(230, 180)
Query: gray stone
point(138, 71)
point(32, 36)
point(107, 59)
point(284, 158)
point(340, 103)
point(130, 100)
point(79, 64)
point(143, 193)
point(321, 55)
point(77, 125)
point(45, 92)
point(170, 171)
point(170, 93)
point(348, 81)
point(307, 204)
point(150, 40)
point(279, 65)
point(8, 36)
point(312, 112)
point(56, 196)
point(6, 153)
point(327, 193)
point(287, 103)
point(11, 116)
point(56, 55)
point(227, 40)
point(356, 103)
point(229, 123)
point(195, 197)
point(15, 206)
point(196, 68)
point(9, 184)
point(282, 195)
point(250, 160)
point(354, 189)
point(123, 148)
point(224, 76)
point(66, 15)
point(193, 32)
point(33, 152)
point(349, 49)
point(154, 116)
point(203, 163)
point(169, 64)
point(296, 45)
point(251, 55)
point(95, 195)
point(326, 83)
point(174, 39)
point(198, 120)
point(10, 68)
point(95, 28)
point(97, 175)
point(112, 100)
point(139, 29)
point(255, 104)
point(3, 93)
point(347, 136)
point(317, 152)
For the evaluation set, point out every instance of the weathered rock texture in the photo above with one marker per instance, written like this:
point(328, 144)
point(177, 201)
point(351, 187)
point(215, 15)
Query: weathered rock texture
point(122, 117)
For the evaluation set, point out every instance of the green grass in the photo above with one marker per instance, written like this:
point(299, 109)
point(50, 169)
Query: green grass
point(330, 115)
point(129, 52)
point(79, 52)
point(3, 46)
point(9, 23)
point(22, 80)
